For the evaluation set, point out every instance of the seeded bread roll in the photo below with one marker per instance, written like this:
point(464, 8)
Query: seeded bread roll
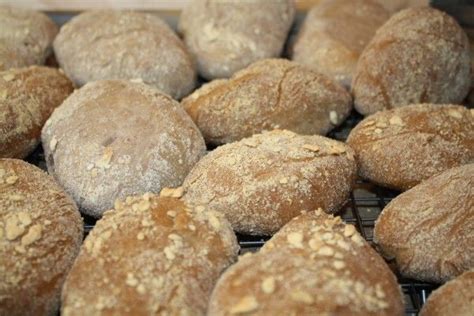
point(28, 96)
point(261, 182)
point(315, 265)
point(110, 44)
point(150, 256)
point(428, 230)
point(269, 94)
point(400, 148)
point(26, 37)
point(115, 138)
point(420, 55)
point(40, 235)
point(454, 298)
point(334, 34)
point(226, 36)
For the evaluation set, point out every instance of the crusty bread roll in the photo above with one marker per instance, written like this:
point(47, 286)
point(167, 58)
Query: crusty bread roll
point(315, 265)
point(28, 96)
point(334, 34)
point(428, 230)
point(150, 256)
point(26, 37)
point(40, 235)
point(269, 94)
point(226, 36)
point(399, 148)
point(110, 44)
point(420, 55)
point(261, 182)
point(454, 298)
point(115, 138)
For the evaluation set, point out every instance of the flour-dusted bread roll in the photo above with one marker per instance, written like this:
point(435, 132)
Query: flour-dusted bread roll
point(26, 37)
point(400, 148)
point(315, 265)
point(334, 34)
point(40, 235)
point(150, 256)
point(110, 44)
point(28, 96)
point(428, 230)
point(226, 36)
point(261, 182)
point(115, 138)
point(456, 297)
point(269, 94)
point(420, 55)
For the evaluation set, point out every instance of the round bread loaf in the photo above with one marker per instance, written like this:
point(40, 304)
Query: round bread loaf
point(113, 138)
point(226, 36)
point(399, 148)
point(26, 37)
point(269, 94)
point(315, 265)
point(261, 182)
point(334, 34)
point(110, 44)
point(428, 230)
point(40, 235)
point(420, 55)
point(454, 298)
point(28, 96)
point(150, 256)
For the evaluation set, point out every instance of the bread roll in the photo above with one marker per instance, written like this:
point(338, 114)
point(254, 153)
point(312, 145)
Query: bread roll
point(269, 94)
point(150, 256)
point(315, 265)
point(334, 34)
point(28, 96)
point(419, 56)
point(428, 230)
point(454, 298)
point(113, 138)
point(261, 182)
point(110, 44)
point(26, 37)
point(400, 148)
point(40, 235)
point(226, 36)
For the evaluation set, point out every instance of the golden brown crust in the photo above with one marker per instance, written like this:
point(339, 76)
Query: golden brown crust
point(334, 34)
point(28, 96)
point(114, 138)
point(315, 265)
point(261, 182)
point(226, 36)
point(26, 37)
point(420, 55)
point(399, 148)
point(108, 44)
point(428, 230)
point(269, 94)
point(456, 297)
point(40, 235)
point(150, 255)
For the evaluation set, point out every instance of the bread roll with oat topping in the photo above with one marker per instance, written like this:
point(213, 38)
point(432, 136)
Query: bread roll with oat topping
point(428, 230)
point(114, 138)
point(150, 256)
point(315, 265)
point(400, 148)
point(40, 235)
point(261, 182)
point(269, 94)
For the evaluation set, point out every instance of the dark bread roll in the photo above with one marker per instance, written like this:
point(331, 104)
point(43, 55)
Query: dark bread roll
point(40, 236)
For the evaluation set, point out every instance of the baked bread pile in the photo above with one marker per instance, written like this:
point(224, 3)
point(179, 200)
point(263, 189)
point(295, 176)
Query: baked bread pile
point(181, 143)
